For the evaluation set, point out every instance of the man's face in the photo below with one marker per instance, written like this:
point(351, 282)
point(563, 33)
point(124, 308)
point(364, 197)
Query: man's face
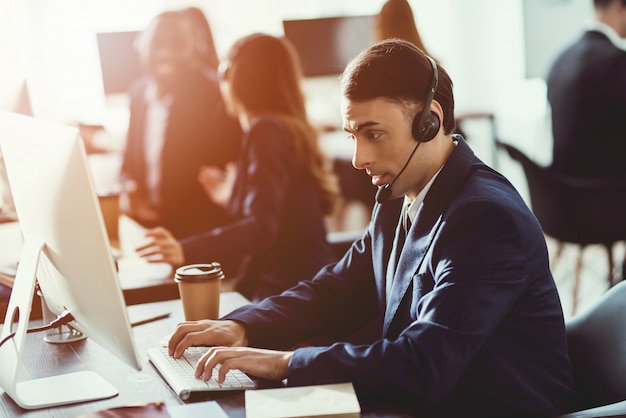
point(383, 143)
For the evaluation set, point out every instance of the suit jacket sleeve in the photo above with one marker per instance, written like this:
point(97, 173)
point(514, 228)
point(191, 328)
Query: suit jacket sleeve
point(470, 295)
point(257, 203)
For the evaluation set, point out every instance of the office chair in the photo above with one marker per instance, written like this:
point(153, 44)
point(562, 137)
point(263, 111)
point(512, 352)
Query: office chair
point(577, 210)
point(597, 345)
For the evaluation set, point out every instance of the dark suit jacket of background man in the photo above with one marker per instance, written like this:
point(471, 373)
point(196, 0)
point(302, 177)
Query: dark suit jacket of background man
point(587, 94)
point(198, 132)
point(473, 324)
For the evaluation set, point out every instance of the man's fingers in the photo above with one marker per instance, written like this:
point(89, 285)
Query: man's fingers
point(185, 335)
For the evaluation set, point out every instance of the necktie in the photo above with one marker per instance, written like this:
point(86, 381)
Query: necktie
point(406, 219)
point(397, 246)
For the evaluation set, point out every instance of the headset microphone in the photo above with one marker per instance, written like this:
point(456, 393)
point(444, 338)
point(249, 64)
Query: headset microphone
point(424, 129)
point(384, 192)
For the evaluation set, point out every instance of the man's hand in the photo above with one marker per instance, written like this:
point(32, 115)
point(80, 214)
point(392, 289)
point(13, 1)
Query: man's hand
point(162, 247)
point(265, 364)
point(206, 332)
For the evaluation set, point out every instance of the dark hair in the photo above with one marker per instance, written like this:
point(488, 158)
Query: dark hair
point(265, 76)
point(602, 4)
point(396, 20)
point(397, 70)
point(203, 43)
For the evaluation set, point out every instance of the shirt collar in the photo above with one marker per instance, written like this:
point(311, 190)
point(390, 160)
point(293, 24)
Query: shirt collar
point(413, 205)
point(609, 32)
point(150, 95)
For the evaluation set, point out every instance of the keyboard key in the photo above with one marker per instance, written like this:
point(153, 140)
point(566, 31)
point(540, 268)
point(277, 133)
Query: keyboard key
point(180, 373)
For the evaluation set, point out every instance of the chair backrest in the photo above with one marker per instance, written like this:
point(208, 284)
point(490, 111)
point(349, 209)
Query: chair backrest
point(597, 346)
point(574, 209)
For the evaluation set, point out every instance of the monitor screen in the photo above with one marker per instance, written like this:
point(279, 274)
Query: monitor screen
point(119, 60)
point(65, 247)
point(326, 45)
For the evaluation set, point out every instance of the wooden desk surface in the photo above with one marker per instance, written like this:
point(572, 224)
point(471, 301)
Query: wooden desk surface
point(42, 359)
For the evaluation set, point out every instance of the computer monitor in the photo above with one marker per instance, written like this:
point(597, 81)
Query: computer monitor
point(326, 45)
point(119, 60)
point(66, 251)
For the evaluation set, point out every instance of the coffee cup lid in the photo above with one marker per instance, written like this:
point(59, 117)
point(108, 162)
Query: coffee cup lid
point(199, 272)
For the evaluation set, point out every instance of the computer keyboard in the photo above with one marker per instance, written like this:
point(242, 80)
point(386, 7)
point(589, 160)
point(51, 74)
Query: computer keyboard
point(179, 373)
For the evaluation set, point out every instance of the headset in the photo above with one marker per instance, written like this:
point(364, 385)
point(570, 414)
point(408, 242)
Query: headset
point(426, 124)
point(425, 127)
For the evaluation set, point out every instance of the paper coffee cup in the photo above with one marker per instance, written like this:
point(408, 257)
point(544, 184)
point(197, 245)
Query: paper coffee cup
point(199, 286)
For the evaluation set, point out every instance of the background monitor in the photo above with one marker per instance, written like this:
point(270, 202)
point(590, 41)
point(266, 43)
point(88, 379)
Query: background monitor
point(119, 60)
point(326, 45)
point(66, 247)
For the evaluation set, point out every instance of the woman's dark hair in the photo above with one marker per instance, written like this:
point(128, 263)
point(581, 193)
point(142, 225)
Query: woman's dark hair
point(265, 76)
point(396, 20)
point(204, 47)
point(399, 71)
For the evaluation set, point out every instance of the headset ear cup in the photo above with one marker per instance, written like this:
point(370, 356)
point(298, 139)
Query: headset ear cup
point(415, 128)
point(429, 128)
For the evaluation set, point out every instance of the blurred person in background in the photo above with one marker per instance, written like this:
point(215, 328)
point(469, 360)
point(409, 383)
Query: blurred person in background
point(396, 20)
point(587, 95)
point(280, 191)
point(178, 124)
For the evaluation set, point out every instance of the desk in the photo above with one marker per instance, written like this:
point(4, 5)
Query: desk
point(141, 282)
point(42, 359)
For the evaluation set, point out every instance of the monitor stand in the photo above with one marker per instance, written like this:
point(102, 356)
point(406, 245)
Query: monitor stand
point(49, 391)
point(62, 334)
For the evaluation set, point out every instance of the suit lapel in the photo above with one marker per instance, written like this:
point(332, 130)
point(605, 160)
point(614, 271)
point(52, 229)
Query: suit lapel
point(394, 257)
point(418, 240)
point(421, 235)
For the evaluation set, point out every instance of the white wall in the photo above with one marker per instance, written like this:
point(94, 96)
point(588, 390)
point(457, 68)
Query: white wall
point(12, 58)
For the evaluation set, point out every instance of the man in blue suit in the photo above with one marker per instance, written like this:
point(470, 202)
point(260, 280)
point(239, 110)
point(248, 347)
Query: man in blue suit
point(453, 265)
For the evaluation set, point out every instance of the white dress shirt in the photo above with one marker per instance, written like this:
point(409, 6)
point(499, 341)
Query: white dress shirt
point(157, 115)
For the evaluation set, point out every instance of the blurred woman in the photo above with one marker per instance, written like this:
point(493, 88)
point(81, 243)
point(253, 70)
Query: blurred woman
point(282, 187)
